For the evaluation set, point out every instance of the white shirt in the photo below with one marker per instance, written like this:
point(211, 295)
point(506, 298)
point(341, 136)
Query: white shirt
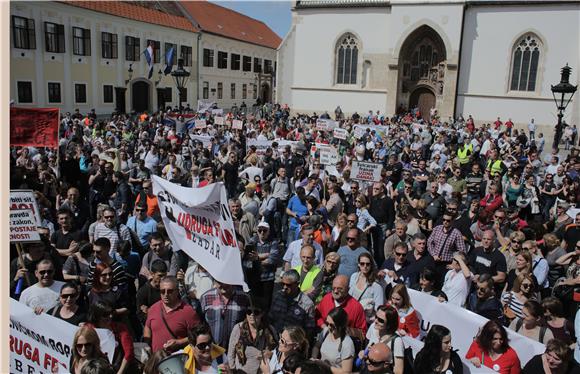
point(292, 255)
point(456, 287)
point(44, 297)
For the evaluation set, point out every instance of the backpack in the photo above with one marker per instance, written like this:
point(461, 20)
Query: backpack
point(520, 323)
point(408, 359)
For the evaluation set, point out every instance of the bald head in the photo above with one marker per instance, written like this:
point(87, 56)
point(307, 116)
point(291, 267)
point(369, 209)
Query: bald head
point(379, 358)
point(340, 288)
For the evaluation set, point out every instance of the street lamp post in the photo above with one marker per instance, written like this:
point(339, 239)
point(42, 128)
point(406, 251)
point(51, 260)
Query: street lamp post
point(181, 76)
point(563, 93)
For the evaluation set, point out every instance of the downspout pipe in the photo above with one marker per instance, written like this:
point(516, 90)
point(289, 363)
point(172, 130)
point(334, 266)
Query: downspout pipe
point(459, 61)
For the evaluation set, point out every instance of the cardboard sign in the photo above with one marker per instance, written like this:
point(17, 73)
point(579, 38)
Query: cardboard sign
point(23, 226)
point(218, 120)
point(366, 171)
point(204, 105)
point(328, 155)
point(24, 199)
point(339, 133)
point(217, 112)
point(237, 124)
point(325, 124)
point(200, 124)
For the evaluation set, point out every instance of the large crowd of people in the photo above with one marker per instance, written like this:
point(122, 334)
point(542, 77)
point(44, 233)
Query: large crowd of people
point(475, 215)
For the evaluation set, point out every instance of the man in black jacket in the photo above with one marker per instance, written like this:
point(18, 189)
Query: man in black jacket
point(382, 209)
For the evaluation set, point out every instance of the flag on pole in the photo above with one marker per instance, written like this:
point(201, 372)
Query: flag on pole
point(169, 57)
point(149, 57)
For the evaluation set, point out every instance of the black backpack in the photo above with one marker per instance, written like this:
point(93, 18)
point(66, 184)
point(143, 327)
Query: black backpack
point(408, 359)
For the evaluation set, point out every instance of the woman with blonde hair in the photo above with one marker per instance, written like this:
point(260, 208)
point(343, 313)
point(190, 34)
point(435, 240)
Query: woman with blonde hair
point(513, 301)
point(341, 225)
point(512, 247)
point(553, 252)
point(408, 317)
point(523, 264)
point(292, 339)
point(86, 346)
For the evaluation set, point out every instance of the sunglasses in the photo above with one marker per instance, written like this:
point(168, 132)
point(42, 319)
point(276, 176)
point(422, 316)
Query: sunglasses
point(331, 326)
point(254, 312)
point(351, 221)
point(516, 242)
point(46, 272)
point(526, 285)
point(374, 363)
point(108, 217)
point(86, 345)
point(284, 342)
point(351, 239)
point(68, 296)
point(167, 291)
point(380, 320)
point(139, 210)
point(203, 346)
point(446, 220)
point(364, 263)
point(482, 288)
point(262, 230)
point(398, 254)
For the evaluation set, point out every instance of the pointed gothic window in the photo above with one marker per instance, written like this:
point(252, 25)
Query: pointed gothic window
point(525, 62)
point(347, 59)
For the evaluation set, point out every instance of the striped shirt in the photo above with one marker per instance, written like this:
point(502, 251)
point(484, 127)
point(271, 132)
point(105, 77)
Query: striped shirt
point(119, 275)
point(102, 231)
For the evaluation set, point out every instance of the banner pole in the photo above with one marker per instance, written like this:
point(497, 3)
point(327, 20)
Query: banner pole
point(21, 261)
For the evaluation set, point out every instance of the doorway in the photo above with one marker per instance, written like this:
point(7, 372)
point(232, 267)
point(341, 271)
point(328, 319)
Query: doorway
point(120, 106)
point(265, 93)
point(424, 99)
point(141, 96)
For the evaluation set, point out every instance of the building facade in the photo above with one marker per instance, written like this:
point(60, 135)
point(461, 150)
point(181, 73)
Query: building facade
point(79, 55)
point(485, 58)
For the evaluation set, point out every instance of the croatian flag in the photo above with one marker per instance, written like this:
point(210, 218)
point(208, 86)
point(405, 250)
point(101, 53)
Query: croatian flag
point(169, 57)
point(190, 123)
point(149, 57)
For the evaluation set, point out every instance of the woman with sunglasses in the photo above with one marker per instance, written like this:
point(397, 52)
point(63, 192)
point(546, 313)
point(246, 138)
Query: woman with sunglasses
point(437, 355)
point(333, 345)
point(249, 339)
point(68, 309)
point(513, 301)
point(86, 346)
point(292, 339)
point(512, 247)
point(491, 349)
point(204, 356)
point(384, 330)
point(101, 317)
point(103, 290)
point(408, 317)
point(364, 286)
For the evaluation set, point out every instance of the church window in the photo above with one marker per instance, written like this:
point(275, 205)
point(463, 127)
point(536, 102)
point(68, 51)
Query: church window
point(525, 62)
point(347, 60)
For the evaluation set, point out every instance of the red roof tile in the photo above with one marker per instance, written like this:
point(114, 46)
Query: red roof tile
point(215, 19)
point(135, 12)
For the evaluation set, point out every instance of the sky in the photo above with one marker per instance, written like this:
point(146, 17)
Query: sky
point(275, 14)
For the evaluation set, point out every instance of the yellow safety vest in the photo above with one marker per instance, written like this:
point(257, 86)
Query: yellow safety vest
point(310, 276)
point(462, 154)
point(495, 167)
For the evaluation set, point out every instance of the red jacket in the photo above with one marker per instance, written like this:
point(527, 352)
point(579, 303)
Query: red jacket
point(409, 322)
point(493, 205)
point(353, 309)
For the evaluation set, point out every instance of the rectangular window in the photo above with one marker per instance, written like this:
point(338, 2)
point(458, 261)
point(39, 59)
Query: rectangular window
point(222, 60)
point(268, 66)
point(24, 92)
point(220, 90)
point(184, 95)
point(54, 92)
point(23, 33)
point(257, 65)
point(247, 63)
point(132, 46)
point(54, 37)
point(168, 95)
point(80, 93)
point(186, 55)
point(81, 41)
point(206, 90)
point(235, 64)
point(233, 91)
point(244, 91)
point(156, 49)
point(108, 93)
point(109, 45)
point(254, 90)
point(208, 58)
point(168, 46)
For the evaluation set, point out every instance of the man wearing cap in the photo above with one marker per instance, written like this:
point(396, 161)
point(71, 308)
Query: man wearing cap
point(292, 255)
point(266, 256)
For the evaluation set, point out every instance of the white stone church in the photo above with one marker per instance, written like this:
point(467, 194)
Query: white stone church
point(485, 58)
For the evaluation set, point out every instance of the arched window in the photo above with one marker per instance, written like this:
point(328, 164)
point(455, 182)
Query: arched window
point(347, 59)
point(525, 62)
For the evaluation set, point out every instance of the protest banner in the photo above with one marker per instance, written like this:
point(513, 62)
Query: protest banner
point(360, 130)
point(204, 105)
point(366, 171)
point(465, 325)
point(204, 139)
point(199, 222)
point(200, 124)
point(339, 133)
point(219, 120)
point(24, 199)
point(237, 124)
point(36, 127)
point(217, 112)
point(262, 145)
point(325, 124)
point(39, 342)
point(23, 226)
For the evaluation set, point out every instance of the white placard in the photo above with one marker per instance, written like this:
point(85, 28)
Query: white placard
point(325, 124)
point(328, 155)
point(217, 112)
point(199, 222)
point(204, 105)
point(23, 226)
point(366, 171)
point(200, 124)
point(39, 342)
point(339, 133)
point(237, 124)
point(204, 139)
point(24, 199)
point(218, 120)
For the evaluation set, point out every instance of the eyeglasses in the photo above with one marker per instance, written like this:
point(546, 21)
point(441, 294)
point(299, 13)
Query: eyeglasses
point(139, 210)
point(446, 220)
point(68, 296)
point(526, 285)
point(262, 230)
point(351, 220)
point(374, 363)
point(482, 288)
point(86, 345)
point(253, 312)
point(203, 346)
point(364, 263)
point(379, 319)
point(332, 262)
point(46, 272)
point(284, 342)
point(350, 239)
point(516, 241)
point(331, 326)
point(108, 217)
point(167, 291)
point(398, 254)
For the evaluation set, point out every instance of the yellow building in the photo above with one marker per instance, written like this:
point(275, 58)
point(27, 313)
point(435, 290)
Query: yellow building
point(80, 54)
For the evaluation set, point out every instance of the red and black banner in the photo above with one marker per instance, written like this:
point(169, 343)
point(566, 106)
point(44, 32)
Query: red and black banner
point(34, 127)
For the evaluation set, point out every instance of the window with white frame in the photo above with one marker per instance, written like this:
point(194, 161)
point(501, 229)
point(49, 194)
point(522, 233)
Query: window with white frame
point(347, 59)
point(525, 62)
